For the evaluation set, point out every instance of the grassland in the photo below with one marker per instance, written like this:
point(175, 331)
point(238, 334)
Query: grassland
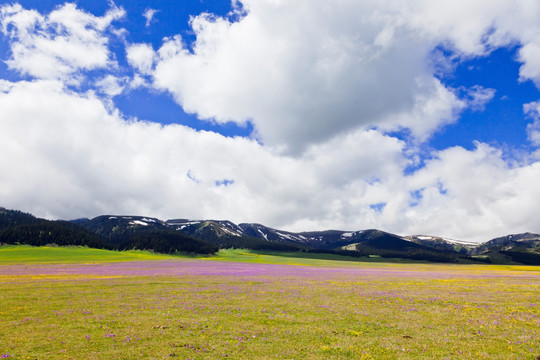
point(245, 305)
point(25, 254)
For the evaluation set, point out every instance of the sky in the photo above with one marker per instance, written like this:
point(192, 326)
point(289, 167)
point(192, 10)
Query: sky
point(411, 116)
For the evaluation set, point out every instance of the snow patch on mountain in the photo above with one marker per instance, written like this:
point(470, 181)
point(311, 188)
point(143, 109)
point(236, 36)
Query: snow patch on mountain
point(263, 234)
point(228, 231)
point(138, 222)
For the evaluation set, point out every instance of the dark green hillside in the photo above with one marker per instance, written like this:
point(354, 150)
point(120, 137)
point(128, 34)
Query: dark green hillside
point(386, 241)
point(512, 257)
point(10, 218)
point(376, 242)
point(518, 242)
point(43, 232)
point(523, 257)
point(512, 249)
point(166, 242)
point(17, 227)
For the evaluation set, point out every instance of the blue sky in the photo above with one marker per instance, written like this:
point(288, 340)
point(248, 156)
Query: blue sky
point(502, 121)
point(415, 118)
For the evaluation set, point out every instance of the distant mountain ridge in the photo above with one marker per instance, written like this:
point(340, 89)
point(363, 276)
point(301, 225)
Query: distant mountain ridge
point(104, 232)
point(127, 231)
point(370, 241)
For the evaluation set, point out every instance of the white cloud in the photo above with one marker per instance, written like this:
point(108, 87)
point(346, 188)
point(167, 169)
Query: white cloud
point(532, 110)
point(302, 72)
point(474, 195)
point(438, 106)
point(138, 81)
point(305, 71)
point(478, 97)
point(111, 86)
point(58, 45)
point(80, 159)
point(476, 27)
point(141, 57)
point(5, 85)
point(529, 55)
point(469, 27)
point(149, 15)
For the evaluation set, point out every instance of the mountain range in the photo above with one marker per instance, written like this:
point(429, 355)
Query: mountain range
point(207, 236)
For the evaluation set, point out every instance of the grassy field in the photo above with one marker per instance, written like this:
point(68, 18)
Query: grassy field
point(332, 260)
point(295, 258)
point(90, 305)
point(25, 254)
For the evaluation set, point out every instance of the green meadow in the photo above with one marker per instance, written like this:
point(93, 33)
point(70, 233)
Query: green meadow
point(79, 303)
point(25, 254)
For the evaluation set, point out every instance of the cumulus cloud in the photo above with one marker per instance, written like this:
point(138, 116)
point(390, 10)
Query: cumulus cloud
point(305, 71)
point(82, 159)
point(58, 45)
point(473, 194)
point(302, 72)
point(475, 28)
point(141, 57)
point(440, 106)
